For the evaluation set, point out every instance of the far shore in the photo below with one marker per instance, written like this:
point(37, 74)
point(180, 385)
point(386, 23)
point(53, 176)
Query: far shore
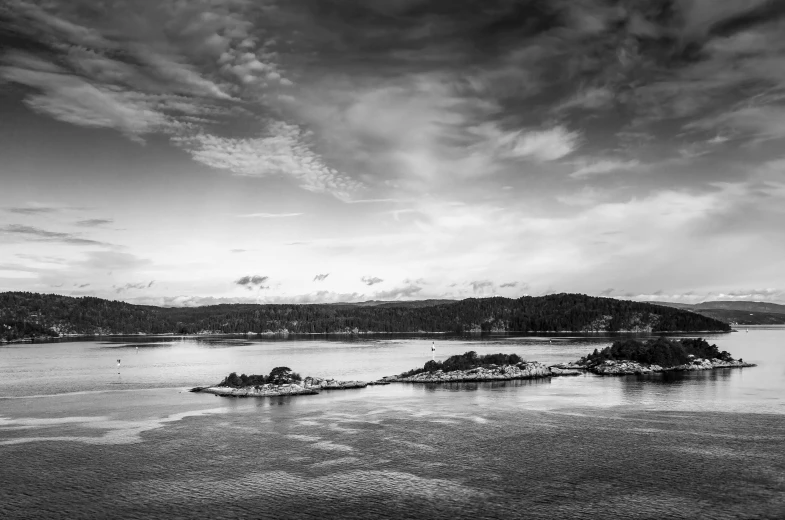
point(43, 339)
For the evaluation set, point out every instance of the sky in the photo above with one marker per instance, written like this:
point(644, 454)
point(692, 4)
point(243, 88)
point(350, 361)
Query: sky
point(183, 153)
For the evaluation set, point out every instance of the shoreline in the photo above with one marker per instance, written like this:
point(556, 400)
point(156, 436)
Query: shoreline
point(45, 339)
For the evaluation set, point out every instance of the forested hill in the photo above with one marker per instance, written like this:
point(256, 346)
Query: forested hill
point(26, 314)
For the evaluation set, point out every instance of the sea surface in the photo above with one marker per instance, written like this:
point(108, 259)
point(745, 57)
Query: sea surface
point(81, 437)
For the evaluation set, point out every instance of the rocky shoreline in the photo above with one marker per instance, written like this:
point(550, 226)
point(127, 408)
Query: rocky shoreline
point(525, 370)
point(309, 386)
point(622, 368)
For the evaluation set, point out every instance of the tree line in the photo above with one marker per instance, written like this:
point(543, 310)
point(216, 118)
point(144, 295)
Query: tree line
point(555, 312)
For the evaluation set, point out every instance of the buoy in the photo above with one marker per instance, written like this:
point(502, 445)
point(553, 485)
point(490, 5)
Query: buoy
point(433, 351)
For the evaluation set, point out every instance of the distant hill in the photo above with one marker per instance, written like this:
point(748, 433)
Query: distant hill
point(414, 304)
point(739, 313)
point(26, 314)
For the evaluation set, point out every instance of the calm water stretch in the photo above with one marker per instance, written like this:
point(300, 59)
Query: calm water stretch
point(82, 438)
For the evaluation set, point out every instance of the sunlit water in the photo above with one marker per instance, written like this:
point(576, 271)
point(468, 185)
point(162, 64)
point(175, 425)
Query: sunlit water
point(80, 437)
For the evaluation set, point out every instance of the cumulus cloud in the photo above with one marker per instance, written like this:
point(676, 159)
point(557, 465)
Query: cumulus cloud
point(371, 280)
point(320, 277)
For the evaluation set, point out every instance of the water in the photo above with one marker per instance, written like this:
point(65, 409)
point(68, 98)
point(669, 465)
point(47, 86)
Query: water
point(79, 440)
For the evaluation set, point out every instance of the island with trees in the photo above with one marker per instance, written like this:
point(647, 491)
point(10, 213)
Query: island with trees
point(280, 381)
point(631, 356)
point(626, 357)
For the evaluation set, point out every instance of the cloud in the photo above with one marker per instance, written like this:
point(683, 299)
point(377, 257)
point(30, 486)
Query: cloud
point(607, 292)
point(132, 286)
point(32, 210)
point(31, 233)
point(479, 286)
point(270, 215)
point(208, 68)
point(540, 145)
point(71, 99)
point(96, 261)
point(252, 280)
point(509, 284)
point(238, 250)
point(601, 167)
point(398, 292)
point(371, 280)
point(320, 277)
point(282, 151)
point(94, 222)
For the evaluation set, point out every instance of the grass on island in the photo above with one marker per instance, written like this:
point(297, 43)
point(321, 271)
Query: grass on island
point(466, 361)
point(661, 351)
point(277, 376)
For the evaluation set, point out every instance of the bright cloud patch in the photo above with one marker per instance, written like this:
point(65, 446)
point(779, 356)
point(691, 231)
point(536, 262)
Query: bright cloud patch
point(282, 151)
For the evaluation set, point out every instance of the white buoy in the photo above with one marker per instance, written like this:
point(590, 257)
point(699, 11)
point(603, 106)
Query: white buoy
point(433, 351)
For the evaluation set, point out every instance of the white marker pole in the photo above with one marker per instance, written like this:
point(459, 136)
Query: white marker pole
point(433, 351)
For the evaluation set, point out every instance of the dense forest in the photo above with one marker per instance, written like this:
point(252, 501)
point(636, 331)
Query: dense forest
point(24, 314)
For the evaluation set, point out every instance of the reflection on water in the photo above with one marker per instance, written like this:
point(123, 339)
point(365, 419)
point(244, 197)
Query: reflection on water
point(82, 440)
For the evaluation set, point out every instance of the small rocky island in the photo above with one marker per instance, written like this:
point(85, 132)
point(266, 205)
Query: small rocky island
point(471, 367)
point(624, 357)
point(280, 381)
point(657, 355)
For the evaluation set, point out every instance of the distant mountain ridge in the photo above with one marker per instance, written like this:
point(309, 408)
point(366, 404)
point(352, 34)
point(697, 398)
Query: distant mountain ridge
point(28, 314)
point(736, 312)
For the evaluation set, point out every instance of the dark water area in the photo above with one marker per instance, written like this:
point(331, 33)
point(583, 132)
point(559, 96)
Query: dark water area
point(79, 440)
